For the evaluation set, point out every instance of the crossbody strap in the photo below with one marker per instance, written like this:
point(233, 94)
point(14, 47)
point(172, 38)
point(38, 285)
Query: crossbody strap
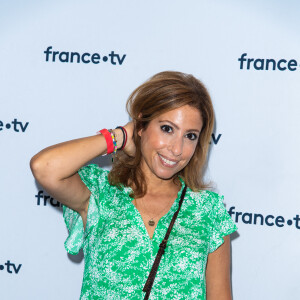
point(161, 250)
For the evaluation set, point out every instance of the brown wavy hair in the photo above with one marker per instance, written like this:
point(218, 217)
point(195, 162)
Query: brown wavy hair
point(163, 92)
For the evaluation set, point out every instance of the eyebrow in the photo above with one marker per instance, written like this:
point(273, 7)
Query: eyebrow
point(162, 121)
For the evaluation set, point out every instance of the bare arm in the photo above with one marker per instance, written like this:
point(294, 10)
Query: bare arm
point(55, 168)
point(218, 283)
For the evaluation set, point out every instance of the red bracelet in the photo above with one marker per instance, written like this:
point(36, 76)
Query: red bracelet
point(108, 139)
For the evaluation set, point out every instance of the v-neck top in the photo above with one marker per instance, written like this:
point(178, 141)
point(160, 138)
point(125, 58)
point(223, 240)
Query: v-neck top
point(118, 252)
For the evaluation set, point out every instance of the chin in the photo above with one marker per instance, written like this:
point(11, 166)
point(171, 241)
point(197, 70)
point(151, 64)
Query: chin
point(166, 175)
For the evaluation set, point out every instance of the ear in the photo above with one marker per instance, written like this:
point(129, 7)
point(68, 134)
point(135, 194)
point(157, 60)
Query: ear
point(140, 132)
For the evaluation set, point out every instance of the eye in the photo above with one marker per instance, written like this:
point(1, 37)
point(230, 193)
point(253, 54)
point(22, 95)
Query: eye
point(192, 136)
point(166, 128)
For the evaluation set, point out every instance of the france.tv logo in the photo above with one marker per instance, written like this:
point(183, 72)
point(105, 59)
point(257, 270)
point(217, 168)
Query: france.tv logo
point(15, 125)
point(262, 219)
point(86, 58)
point(10, 267)
point(267, 64)
point(43, 199)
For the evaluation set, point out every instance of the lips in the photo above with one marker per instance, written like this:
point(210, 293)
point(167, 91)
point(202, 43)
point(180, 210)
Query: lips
point(166, 162)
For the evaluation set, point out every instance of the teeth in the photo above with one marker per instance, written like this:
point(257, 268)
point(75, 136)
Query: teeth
point(168, 161)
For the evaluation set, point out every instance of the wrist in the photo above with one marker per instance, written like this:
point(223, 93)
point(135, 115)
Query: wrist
point(119, 137)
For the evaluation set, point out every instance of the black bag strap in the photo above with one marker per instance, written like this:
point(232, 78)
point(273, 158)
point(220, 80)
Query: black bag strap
point(161, 250)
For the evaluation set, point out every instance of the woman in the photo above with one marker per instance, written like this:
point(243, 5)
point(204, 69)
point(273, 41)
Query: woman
point(120, 217)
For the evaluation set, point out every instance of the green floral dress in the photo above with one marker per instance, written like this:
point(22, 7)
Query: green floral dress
point(118, 252)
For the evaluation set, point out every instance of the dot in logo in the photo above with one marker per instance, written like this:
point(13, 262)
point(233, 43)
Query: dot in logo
point(105, 58)
point(1, 267)
point(7, 125)
point(289, 222)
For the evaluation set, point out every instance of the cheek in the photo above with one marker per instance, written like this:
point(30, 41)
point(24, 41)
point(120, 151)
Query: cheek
point(189, 151)
point(155, 140)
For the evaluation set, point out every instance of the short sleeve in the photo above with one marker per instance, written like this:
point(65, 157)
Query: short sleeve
point(95, 179)
point(222, 224)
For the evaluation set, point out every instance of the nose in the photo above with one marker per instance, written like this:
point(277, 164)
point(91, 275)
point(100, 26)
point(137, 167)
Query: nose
point(177, 146)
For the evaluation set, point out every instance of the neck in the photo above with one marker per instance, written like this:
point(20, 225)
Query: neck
point(157, 185)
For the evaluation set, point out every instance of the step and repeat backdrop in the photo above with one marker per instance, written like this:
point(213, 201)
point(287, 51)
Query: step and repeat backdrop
point(67, 68)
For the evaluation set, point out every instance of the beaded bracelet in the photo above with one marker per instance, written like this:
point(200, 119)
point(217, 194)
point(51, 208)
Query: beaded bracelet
point(114, 141)
point(111, 140)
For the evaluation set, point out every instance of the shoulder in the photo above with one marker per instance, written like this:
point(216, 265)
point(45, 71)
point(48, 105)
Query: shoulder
point(204, 202)
point(94, 177)
point(93, 171)
point(205, 197)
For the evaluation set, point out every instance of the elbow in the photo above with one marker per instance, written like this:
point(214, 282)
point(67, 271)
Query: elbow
point(45, 171)
point(36, 167)
point(40, 169)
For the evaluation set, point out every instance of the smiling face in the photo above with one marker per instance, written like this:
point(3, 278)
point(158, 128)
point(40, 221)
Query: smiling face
point(169, 142)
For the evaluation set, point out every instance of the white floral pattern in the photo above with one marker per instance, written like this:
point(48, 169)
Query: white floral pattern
point(118, 252)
